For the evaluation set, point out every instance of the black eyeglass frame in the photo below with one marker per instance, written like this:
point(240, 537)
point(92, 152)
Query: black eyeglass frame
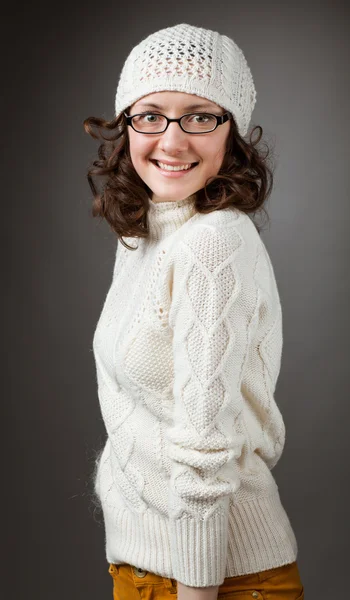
point(220, 120)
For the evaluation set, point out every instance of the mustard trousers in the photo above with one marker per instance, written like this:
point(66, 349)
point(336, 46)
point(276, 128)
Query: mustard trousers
point(281, 583)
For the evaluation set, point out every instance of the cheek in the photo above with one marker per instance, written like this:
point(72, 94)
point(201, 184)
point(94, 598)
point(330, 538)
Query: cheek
point(214, 157)
point(218, 149)
point(140, 147)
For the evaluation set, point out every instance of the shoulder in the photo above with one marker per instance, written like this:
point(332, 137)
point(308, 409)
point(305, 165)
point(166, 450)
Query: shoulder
point(227, 240)
point(221, 232)
point(223, 222)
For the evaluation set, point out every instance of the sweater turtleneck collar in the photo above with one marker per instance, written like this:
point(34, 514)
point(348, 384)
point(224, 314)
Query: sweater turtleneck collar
point(166, 217)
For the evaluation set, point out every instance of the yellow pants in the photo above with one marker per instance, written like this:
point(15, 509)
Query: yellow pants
point(281, 583)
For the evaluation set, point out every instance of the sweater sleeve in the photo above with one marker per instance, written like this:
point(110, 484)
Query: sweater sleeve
point(213, 309)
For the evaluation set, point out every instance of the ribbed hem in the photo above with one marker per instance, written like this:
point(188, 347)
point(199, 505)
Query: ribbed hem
point(257, 535)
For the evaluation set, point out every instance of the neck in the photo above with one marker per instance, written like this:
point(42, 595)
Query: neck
point(166, 216)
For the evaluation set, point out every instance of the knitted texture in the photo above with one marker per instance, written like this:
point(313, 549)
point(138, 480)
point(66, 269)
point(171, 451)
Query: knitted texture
point(188, 351)
point(189, 59)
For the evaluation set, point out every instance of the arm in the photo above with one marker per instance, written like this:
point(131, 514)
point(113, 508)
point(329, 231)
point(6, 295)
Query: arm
point(191, 593)
point(213, 302)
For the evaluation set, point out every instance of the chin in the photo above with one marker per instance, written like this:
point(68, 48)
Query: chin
point(175, 194)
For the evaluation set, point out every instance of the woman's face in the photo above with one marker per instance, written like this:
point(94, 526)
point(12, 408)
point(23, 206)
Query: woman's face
point(175, 147)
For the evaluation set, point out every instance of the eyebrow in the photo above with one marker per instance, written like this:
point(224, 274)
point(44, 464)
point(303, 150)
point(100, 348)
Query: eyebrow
point(188, 107)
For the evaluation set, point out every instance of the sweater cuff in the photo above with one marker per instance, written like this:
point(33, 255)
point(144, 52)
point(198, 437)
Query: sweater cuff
point(199, 548)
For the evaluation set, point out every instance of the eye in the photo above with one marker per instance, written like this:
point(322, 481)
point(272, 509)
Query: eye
point(201, 118)
point(149, 118)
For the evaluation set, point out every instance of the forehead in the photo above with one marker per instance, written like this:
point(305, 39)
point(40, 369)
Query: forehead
point(177, 100)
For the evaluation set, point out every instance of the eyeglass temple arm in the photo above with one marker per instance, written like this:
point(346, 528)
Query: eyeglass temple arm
point(223, 118)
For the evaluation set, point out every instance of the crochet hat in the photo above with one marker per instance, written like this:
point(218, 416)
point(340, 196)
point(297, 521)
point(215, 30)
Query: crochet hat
point(189, 59)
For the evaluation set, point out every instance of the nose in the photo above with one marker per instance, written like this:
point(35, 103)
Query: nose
point(174, 141)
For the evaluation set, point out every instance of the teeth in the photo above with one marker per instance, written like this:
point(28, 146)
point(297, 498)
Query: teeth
point(171, 168)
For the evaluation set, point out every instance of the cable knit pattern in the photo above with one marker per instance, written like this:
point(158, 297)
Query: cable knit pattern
point(190, 59)
point(188, 351)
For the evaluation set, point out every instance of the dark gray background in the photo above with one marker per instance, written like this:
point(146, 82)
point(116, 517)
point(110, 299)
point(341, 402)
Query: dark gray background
point(61, 64)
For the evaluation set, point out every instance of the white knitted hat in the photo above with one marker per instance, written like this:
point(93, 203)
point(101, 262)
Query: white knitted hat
point(189, 59)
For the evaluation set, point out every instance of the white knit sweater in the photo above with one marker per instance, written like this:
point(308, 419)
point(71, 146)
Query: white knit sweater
point(188, 351)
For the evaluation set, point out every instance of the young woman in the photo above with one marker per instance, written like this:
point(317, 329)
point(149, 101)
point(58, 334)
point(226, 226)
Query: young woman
point(188, 344)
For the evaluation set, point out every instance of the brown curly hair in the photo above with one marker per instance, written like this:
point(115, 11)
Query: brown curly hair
point(245, 179)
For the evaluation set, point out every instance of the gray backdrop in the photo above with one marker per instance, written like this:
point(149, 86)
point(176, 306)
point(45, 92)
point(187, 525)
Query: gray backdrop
point(61, 64)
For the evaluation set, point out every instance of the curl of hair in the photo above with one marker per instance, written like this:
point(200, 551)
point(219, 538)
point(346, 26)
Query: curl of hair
point(245, 179)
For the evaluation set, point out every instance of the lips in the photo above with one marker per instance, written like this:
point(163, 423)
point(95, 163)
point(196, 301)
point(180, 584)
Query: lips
point(170, 174)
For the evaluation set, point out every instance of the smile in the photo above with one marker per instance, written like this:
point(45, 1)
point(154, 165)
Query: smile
point(173, 170)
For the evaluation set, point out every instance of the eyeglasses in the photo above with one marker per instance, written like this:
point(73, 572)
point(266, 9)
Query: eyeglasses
point(154, 123)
